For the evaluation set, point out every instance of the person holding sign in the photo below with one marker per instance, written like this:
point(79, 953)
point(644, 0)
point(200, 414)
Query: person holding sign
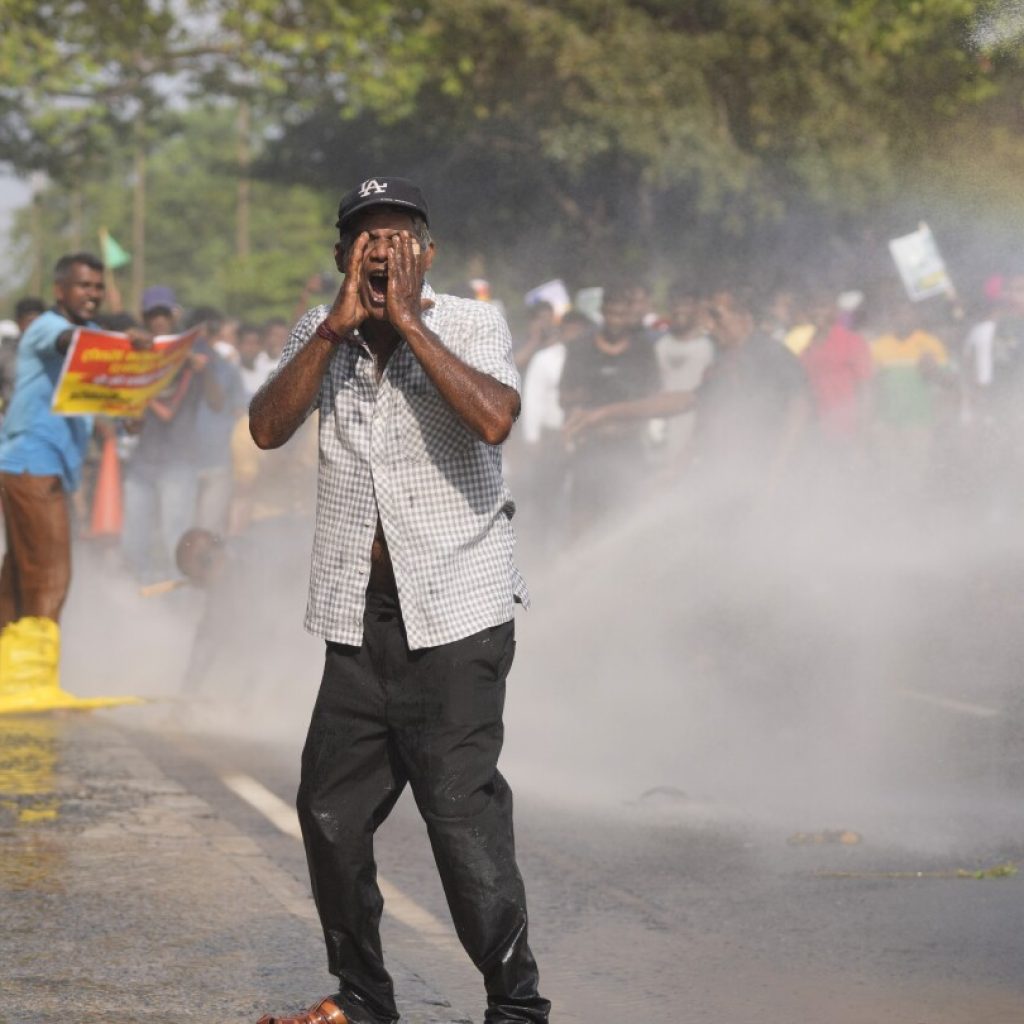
point(41, 456)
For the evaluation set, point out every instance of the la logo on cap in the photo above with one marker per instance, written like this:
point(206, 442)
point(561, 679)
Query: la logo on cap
point(372, 186)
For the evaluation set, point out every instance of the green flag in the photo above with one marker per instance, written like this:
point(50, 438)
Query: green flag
point(113, 255)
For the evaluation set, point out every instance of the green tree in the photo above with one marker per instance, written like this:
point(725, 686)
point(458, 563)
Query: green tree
point(571, 138)
point(190, 212)
point(598, 133)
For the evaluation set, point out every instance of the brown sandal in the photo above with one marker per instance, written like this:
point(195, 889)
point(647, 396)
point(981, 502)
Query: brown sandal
point(326, 1011)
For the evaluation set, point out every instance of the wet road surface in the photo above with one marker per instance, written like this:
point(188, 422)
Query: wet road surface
point(138, 886)
point(673, 724)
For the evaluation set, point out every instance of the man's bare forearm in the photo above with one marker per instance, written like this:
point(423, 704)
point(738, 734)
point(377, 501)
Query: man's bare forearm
point(656, 406)
point(279, 407)
point(662, 404)
point(488, 407)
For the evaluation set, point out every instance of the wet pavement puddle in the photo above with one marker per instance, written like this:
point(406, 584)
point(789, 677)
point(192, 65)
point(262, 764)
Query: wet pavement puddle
point(29, 858)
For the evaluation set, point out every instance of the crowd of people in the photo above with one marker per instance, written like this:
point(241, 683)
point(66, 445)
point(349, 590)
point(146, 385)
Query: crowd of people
point(740, 399)
point(189, 461)
point(187, 466)
point(732, 396)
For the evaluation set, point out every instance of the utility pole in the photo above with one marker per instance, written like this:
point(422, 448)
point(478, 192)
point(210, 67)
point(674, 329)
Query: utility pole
point(139, 213)
point(37, 182)
point(243, 152)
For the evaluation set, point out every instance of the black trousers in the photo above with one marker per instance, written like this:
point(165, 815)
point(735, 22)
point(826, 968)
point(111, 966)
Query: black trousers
point(386, 716)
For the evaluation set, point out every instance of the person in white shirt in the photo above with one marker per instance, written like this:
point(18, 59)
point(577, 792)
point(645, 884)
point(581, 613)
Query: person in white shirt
point(684, 354)
point(253, 364)
point(542, 413)
point(541, 425)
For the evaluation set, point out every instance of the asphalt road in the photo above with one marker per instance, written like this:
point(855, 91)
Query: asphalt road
point(687, 752)
point(662, 908)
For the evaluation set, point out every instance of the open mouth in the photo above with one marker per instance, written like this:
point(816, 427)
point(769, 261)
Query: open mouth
point(378, 282)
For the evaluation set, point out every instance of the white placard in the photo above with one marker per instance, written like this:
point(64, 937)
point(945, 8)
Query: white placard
point(554, 293)
point(921, 266)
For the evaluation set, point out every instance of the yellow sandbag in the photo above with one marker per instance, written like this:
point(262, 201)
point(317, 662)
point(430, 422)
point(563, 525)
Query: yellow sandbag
point(30, 670)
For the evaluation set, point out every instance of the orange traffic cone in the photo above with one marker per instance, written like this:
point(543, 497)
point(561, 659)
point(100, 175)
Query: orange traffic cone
point(107, 513)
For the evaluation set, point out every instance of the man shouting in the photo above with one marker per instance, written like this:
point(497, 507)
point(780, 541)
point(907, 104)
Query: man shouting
point(412, 588)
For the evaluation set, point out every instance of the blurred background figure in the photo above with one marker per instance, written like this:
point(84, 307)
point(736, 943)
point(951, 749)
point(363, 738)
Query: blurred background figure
point(753, 410)
point(541, 445)
point(253, 363)
point(225, 339)
point(643, 312)
point(9, 335)
point(214, 427)
point(992, 384)
point(161, 479)
point(160, 310)
point(911, 366)
point(781, 316)
point(838, 365)
point(611, 368)
point(25, 311)
point(273, 337)
point(201, 559)
point(541, 331)
point(272, 485)
point(685, 353)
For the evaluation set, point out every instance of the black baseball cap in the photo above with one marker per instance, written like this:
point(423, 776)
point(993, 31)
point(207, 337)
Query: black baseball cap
point(398, 192)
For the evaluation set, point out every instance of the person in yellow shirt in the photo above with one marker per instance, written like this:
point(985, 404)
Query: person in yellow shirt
point(910, 365)
point(269, 485)
point(906, 371)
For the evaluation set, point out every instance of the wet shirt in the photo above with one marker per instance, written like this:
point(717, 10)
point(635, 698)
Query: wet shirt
point(34, 440)
point(396, 449)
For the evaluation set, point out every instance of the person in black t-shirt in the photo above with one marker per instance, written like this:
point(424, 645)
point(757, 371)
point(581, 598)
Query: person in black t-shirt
point(610, 387)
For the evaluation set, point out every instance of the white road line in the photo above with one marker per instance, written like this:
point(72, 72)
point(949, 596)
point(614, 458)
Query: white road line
point(283, 817)
point(270, 805)
point(948, 704)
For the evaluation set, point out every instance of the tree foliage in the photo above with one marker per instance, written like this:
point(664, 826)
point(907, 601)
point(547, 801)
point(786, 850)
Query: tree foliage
point(191, 192)
point(567, 138)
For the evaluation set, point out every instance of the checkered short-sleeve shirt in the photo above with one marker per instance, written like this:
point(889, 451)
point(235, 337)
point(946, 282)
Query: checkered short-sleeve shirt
point(397, 449)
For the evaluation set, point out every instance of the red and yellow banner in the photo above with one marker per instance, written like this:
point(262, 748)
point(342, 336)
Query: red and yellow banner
point(103, 374)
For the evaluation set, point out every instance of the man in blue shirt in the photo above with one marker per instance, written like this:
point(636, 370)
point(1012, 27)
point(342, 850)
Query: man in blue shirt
point(41, 454)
